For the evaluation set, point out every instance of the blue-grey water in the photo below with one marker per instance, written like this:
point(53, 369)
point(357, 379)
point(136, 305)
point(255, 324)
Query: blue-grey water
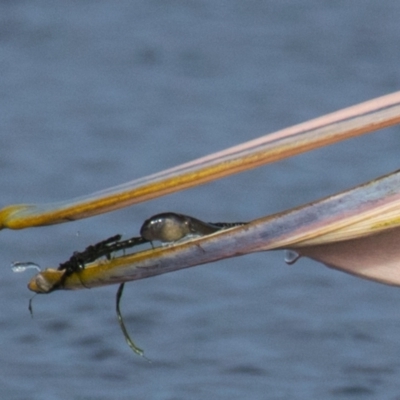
point(97, 93)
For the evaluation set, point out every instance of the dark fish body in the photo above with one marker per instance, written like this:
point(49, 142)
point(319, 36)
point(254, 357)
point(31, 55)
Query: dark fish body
point(171, 227)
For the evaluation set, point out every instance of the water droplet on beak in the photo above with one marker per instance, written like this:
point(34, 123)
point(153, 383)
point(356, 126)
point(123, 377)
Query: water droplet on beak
point(291, 256)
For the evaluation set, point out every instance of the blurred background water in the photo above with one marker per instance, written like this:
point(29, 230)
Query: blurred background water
point(97, 93)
